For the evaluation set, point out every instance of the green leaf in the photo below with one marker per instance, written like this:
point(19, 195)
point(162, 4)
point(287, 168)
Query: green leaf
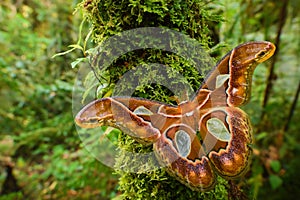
point(90, 84)
point(64, 85)
point(217, 128)
point(113, 135)
point(261, 135)
point(63, 53)
point(77, 61)
point(275, 181)
point(275, 165)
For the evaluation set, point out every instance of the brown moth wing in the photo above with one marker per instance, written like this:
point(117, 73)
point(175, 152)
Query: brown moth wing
point(131, 115)
point(225, 130)
point(234, 71)
point(185, 164)
point(233, 160)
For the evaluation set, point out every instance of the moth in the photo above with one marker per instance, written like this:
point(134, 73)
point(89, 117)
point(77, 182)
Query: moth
point(200, 138)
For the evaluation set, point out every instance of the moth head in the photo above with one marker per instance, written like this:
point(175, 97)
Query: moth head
point(253, 52)
point(266, 52)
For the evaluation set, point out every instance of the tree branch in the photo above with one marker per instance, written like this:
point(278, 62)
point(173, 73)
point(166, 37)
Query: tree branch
point(283, 15)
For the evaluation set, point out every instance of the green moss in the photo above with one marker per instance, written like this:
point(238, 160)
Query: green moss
point(111, 17)
point(155, 183)
point(159, 185)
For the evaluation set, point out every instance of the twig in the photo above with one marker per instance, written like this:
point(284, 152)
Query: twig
point(293, 107)
point(283, 15)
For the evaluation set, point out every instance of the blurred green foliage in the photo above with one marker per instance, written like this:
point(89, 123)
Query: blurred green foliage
point(38, 140)
point(37, 134)
point(277, 143)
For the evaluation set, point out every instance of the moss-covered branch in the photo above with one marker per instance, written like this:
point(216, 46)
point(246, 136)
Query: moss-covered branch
point(189, 17)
